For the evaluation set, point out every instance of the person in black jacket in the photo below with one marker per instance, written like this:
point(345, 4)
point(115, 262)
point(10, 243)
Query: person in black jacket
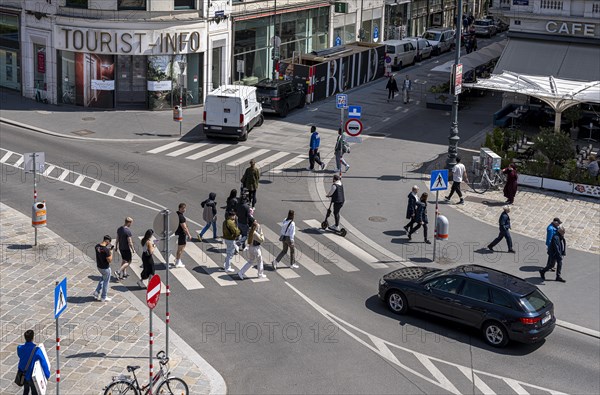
point(392, 87)
point(243, 216)
point(209, 214)
point(232, 202)
point(556, 251)
point(411, 209)
point(421, 218)
point(336, 193)
point(504, 226)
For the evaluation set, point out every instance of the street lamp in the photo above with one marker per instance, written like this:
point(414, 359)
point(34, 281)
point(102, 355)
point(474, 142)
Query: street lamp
point(453, 138)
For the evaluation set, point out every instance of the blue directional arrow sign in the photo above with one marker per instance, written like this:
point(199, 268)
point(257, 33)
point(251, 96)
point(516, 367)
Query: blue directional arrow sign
point(354, 111)
point(60, 298)
point(439, 180)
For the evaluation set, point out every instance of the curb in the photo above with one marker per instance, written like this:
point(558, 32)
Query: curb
point(578, 329)
point(55, 134)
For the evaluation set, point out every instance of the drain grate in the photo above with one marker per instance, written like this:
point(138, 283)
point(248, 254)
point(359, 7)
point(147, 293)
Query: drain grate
point(377, 218)
point(83, 132)
point(88, 119)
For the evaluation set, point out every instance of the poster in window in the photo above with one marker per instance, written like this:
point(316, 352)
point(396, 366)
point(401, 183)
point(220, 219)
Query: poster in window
point(41, 61)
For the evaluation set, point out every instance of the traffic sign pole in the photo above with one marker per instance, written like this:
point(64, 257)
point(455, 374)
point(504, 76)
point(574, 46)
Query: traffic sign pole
point(168, 317)
point(35, 201)
point(152, 296)
point(151, 338)
point(57, 349)
point(437, 194)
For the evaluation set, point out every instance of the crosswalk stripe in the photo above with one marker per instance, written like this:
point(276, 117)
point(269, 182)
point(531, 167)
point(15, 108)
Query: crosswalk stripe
point(184, 276)
point(129, 196)
point(211, 267)
point(326, 252)
point(79, 180)
point(267, 161)
point(64, 175)
point(6, 156)
point(304, 260)
point(246, 158)
point(348, 246)
point(288, 165)
point(515, 386)
point(184, 150)
point(48, 170)
point(95, 185)
point(165, 147)
point(135, 266)
point(240, 260)
point(475, 379)
point(111, 191)
point(284, 272)
point(228, 154)
point(207, 152)
point(19, 161)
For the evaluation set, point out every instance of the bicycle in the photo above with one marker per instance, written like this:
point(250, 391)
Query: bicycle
point(124, 384)
point(488, 180)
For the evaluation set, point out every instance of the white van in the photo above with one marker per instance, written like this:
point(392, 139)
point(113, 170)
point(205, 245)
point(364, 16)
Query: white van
point(232, 111)
point(424, 48)
point(402, 52)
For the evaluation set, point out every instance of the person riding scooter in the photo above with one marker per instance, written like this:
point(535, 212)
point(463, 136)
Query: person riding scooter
point(336, 193)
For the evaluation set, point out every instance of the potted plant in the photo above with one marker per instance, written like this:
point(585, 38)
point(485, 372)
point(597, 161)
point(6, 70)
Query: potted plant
point(440, 98)
point(573, 114)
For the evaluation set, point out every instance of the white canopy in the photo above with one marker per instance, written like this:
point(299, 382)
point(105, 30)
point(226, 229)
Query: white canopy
point(559, 93)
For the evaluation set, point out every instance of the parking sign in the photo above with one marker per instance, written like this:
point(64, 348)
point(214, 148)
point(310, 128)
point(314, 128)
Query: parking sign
point(341, 101)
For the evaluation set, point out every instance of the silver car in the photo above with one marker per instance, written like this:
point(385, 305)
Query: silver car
point(485, 27)
point(424, 48)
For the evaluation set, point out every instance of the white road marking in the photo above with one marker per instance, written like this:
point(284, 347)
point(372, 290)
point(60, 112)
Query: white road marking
point(326, 252)
point(184, 276)
point(385, 119)
point(129, 196)
point(6, 156)
point(289, 164)
point(246, 158)
point(475, 379)
point(516, 386)
point(64, 175)
point(19, 162)
point(187, 149)
point(207, 152)
point(112, 190)
point(303, 259)
point(95, 185)
point(79, 180)
point(436, 373)
point(165, 147)
point(348, 246)
point(267, 161)
point(577, 328)
point(213, 270)
point(48, 170)
point(228, 154)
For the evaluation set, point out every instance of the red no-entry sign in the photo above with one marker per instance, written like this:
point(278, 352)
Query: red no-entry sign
point(153, 291)
point(353, 127)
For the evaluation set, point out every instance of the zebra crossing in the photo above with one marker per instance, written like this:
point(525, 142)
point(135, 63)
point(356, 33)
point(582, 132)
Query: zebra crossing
point(316, 255)
point(231, 155)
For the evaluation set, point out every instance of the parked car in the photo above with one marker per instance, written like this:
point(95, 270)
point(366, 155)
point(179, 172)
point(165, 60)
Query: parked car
point(424, 48)
point(485, 27)
point(501, 26)
point(402, 52)
point(440, 38)
point(279, 96)
point(232, 111)
point(504, 307)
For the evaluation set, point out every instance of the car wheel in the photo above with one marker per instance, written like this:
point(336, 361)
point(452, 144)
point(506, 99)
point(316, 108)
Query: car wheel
point(494, 334)
point(396, 302)
point(418, 58)
point(261, 120)
point(302, 102)
point(284, 110)
point(244, 135)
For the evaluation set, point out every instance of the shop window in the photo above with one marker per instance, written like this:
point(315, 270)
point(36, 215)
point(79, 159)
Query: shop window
point(166, 83)
point(184, 4)
point(66, 73)
point(132, 4)
point(10, 67)
point(77, 3)
point(39, 76)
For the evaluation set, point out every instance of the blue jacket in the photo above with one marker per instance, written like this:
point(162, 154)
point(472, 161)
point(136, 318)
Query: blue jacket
point(550, 231)
point(315, 140)
point(24, 351)
point(504, 222)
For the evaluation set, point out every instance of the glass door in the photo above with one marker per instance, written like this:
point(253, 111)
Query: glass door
point(217, 71)
point(131, 81)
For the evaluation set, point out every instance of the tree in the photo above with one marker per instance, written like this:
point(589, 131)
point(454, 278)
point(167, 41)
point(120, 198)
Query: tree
point(555, 146)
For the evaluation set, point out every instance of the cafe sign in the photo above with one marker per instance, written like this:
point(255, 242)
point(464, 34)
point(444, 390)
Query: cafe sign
point(571, 28)
point(129, 42)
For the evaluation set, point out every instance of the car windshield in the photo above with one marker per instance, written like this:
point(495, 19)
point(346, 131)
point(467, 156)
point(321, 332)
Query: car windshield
point(535, 301)
point(432, 36)
point(428, 276)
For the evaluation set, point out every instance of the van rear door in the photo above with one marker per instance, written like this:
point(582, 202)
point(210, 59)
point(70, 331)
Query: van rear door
point(222, 111)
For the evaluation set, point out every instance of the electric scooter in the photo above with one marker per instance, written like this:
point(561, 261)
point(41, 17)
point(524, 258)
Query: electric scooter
point(325, 225)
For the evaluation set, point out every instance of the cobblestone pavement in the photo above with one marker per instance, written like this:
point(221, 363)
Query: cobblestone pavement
point(534, 210)
point(98, 340)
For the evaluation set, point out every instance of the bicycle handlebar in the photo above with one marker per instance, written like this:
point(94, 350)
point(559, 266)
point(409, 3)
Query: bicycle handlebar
point(162, 357)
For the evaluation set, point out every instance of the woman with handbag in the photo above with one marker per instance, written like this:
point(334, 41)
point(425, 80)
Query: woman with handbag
point(286, 236)
point(29, 354)
point(209, 214)
point(148, 247)
point(255, 239)
point(341, 148)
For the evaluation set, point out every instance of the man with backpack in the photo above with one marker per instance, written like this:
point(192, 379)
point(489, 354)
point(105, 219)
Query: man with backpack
point(209, 215)
point(230, 234)
point(341, 148)
point(29, 353)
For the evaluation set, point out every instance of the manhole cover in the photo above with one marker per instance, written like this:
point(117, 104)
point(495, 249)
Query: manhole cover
point(376, 134)
point(83, 132)
point(377, 218)
point(88, 119)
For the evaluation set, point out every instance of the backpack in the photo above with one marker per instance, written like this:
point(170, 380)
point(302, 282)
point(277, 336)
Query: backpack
point(207, 214)
point(345, 147)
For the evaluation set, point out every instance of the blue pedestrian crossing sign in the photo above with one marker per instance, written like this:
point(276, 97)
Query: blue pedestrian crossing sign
point(60, 298)
point(354, 111)
point(439, 180)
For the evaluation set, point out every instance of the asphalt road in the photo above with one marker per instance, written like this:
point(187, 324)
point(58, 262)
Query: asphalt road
point(313, 333)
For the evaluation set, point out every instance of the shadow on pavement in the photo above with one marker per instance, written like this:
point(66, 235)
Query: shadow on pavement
point(19, 246)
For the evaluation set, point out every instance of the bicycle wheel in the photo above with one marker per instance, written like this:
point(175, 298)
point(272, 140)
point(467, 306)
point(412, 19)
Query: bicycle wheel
point(173, 386)
point(499, 181)
point(121, 388)
point(481, 184)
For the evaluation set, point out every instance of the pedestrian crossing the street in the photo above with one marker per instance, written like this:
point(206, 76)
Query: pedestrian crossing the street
point(317, 254)
point(274, 161)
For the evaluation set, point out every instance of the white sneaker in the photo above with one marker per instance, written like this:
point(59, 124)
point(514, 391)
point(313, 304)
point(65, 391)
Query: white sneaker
point(262, 276)
point(274, 263)
point(107, 299)
point(141, 284)
point(240, 275)
point(179, 265)
point(347, 167)
point(230, 270)
point(294, 266)
point(96, 295)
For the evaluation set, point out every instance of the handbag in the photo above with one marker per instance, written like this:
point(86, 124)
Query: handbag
point(20, 377)
point(284, 237)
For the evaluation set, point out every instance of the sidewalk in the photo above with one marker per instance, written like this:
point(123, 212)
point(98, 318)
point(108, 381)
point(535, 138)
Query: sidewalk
point(98, 340)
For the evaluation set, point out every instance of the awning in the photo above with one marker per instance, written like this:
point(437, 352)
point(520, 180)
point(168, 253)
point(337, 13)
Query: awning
point(474, 59)
point(572, 61)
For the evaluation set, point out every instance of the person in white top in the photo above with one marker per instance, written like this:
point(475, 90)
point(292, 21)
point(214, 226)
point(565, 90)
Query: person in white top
point(459, 174)
point(255, 239)
point(286, 236)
